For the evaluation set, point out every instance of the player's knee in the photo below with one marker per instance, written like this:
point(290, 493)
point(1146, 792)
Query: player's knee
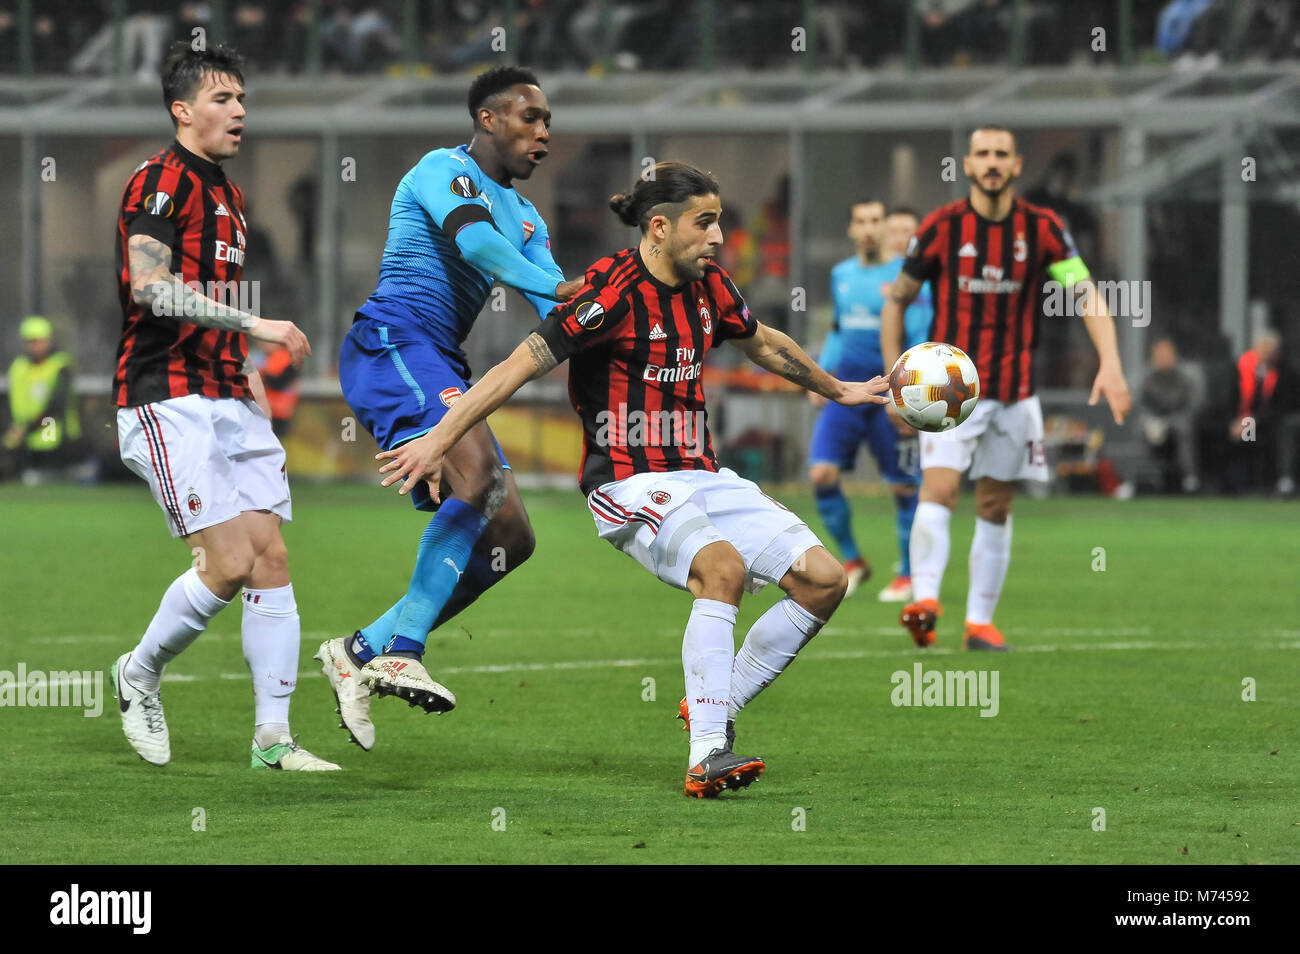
point(823, 475)
point(993, 509)
point(820, 586)
point(940, 492)
point(718, 573)
point(272, 562)
point(230, 569)
point(487, 493)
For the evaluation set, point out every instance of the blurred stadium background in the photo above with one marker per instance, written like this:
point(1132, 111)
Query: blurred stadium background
point(1166, 132)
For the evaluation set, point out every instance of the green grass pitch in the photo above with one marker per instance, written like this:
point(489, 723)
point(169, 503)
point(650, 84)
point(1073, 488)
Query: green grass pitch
point(1126, 695)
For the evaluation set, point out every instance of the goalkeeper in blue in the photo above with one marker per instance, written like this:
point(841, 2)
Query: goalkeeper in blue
point(859, 286)
point(456, 226)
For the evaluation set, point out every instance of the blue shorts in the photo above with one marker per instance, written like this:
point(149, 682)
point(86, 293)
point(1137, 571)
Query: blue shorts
point(400, 385)
point(840, 431)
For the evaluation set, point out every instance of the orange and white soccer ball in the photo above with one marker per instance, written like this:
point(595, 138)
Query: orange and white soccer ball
point(934, 386)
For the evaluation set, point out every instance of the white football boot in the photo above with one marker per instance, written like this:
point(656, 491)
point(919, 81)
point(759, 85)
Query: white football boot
point(407, 679)
point(288, 755)
point(350, 694)
point(142, 717)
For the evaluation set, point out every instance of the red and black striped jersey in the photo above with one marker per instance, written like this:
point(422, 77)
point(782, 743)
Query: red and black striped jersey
point(636, 348)
point(987, 279)
point(188, 204)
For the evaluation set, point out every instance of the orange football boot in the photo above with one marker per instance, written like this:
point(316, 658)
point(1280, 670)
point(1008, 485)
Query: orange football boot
point(919, 619)
point(984, 637)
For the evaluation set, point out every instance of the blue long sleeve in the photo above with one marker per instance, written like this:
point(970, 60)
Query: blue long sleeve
point(485, 249)
point(832, 351)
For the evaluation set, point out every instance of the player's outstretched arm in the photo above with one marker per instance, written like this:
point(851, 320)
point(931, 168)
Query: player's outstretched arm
point(154, 285)
point(1109, 382)
point(421, 459)
point(902, 292)
point(777, 352)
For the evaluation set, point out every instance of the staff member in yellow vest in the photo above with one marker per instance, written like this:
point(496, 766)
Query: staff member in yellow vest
point(45, 423)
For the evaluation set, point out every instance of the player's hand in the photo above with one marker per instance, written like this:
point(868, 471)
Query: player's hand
point(566, 290)
point(417, 460)
point(863, 392)
point(13, 437)
point(1111, 385)
point(817, 400)
point(904, 429)
point(284, 333)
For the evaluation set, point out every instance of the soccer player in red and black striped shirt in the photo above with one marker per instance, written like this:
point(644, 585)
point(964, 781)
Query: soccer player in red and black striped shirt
point(187, 419)
point(987, 258)
point(637, 335)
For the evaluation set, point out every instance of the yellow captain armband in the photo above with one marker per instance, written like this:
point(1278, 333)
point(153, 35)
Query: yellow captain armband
point(1068, 271)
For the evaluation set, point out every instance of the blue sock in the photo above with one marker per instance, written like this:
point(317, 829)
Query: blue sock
point(903, 520)
point(478, 577)
point(445, 550)
point(834, 510)
point(378, 633)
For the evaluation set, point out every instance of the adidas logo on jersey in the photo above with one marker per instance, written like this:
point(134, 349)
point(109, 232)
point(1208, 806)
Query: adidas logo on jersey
point(221, 209)
point(967, 251)
point(657, 332)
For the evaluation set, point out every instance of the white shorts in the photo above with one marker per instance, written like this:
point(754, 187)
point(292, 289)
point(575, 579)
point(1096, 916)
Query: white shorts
point(206, 460)
point(998, 440)
point(663, 520)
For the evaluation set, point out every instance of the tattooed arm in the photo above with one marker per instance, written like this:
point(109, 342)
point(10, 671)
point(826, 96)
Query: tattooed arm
point(421, 459)
point(777, 352)
point(154, 286)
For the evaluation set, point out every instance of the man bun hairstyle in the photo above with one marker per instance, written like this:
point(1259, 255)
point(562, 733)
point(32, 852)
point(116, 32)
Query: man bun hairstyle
point(494, 81)
point(182, 72)
point(672, 183)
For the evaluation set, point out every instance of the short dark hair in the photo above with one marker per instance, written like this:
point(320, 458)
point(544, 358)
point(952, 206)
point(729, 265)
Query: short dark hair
point(496, 80)
point(903, 210)
point(994, 127)
point(672, 182)
point(183, 71)
point(869, 200)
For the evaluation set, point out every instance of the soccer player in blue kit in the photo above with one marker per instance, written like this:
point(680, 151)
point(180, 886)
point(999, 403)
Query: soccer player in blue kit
point(456, 225)
point(852, 352)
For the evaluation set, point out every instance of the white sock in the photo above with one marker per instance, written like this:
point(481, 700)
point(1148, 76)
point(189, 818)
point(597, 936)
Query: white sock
point(929, 549)
point(770, 646)
point(707, 648)
point(271, 637)
point(990, 552)
point(185, 611)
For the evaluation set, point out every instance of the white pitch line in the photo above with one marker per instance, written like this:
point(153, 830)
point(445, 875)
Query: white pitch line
point(833, 655)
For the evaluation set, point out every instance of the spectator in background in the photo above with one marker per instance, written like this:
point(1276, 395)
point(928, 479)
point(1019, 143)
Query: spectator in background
point(46, 428)
point(769, 257)
point(1263, 431)
point(955, 32)
point(280, 379)
point(1175, 24)
point(1058, 190)
point(361, 36)
point(144, 38)
point(1167, 405)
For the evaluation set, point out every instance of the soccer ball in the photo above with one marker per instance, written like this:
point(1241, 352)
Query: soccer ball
point(934, 386)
